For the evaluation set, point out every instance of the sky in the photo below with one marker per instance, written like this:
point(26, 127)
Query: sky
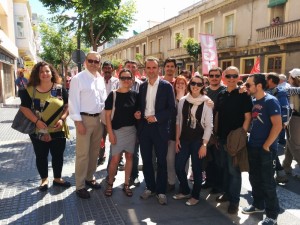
point(147, 10)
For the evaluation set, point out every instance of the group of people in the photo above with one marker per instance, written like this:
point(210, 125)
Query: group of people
point(169, 120)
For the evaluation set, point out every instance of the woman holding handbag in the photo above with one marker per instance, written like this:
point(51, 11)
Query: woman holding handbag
point(121, 128)
point(50, 103)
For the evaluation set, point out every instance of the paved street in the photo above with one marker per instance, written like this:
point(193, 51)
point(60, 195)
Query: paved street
point(22, 203)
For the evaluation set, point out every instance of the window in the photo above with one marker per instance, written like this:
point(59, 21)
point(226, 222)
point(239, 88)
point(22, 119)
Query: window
point(178, 39)
point(274, 64)
point(137, 49)
point(208, 27)
point(229, 25)
point(191, 33)
point(151, 47)
point(144, 49)
point(20, 27)
point(226, 64)
point(249, 63)
point(160, 45)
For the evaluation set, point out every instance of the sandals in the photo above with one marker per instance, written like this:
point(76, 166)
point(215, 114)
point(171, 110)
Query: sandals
point(108, 190)
point(127, 190)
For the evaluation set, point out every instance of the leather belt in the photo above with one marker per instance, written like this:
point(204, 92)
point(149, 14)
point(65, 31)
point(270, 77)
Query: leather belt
point(89, 114)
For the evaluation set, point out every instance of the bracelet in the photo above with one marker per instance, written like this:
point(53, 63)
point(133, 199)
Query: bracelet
point(36, 121)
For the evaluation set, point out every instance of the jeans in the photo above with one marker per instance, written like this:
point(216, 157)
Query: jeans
point(135, 162)
point(261, 175)
point(232, 178)
point(189, 148)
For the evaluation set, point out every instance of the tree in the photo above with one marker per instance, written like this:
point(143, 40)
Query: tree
point(57, 45)
point(194, 49)
point(99, 21)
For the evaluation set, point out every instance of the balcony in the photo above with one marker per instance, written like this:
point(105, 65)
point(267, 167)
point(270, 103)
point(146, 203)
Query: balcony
point(280, 31)
point(177, 52)
point(226, 42)
point(158, 55)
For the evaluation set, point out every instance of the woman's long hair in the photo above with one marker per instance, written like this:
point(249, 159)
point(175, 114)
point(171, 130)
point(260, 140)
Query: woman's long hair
point(202, 91)
point(34, 79)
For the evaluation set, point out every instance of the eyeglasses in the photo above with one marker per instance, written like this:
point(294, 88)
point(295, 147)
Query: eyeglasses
point(193, 83)
point(206, 83)
point(228, 76)
point(93, 61)
point(248, 85)
point(214, 75)
point(125, 78)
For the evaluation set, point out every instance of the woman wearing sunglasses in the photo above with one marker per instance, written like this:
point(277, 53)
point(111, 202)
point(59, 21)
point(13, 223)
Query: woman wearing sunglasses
point(121, 129)
point(194, 125)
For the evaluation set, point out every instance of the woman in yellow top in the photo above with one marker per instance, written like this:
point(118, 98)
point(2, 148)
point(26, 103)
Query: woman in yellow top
point(50, 101)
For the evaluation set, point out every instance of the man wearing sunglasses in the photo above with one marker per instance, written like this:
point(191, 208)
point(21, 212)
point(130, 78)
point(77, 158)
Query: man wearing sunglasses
point(214, 172)
point(86, 101)
point(233, 111)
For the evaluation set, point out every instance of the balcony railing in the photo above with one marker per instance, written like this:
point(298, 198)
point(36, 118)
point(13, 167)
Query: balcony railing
point(280, 31)
point(177, 52)
point(158, 55)
point(226, 42)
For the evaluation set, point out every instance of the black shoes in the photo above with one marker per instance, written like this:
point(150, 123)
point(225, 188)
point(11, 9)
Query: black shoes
point(65, 184)
point(93, 184)
point(170, 187)
point(222, 198)
point(43, 188)
point(233, 208)
point(83, 193)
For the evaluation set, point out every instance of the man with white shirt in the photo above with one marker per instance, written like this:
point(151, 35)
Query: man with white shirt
point(156, 105)
point(86, 101)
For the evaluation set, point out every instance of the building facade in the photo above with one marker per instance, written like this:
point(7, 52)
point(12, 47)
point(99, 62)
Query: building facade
point(8, 50)
point(243, 30)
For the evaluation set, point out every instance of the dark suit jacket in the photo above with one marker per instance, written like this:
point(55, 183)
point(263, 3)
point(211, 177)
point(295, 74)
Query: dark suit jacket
point(164, 106)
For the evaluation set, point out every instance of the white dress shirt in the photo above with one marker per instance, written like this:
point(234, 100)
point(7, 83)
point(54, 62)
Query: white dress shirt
point(150, 98)
point(87, 94)
point(112, 84)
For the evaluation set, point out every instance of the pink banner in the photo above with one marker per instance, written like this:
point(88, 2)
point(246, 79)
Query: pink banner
point(209, 52)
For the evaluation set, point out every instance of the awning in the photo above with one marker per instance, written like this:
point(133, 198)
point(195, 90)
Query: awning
point(273, 3)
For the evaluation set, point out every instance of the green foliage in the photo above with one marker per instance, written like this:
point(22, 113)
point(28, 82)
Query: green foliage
point(116, 63)
point(139, 57)
point(97, 21)
point(178, 37)
point(193, 48)
point(57, 44)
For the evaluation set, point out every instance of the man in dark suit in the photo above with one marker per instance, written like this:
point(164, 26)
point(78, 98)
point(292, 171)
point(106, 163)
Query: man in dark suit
point(156, 103)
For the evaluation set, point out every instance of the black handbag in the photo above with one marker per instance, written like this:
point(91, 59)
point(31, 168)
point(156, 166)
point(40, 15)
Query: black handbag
point(21, 123)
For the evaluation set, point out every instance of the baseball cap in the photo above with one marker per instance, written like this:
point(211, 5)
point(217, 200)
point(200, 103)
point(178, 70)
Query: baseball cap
point(295, 72)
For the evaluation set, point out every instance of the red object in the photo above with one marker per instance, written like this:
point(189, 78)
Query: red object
point(209, 52)
point(256, 67)
point(102, 143)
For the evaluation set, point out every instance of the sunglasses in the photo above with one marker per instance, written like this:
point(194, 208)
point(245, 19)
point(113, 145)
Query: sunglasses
point(228, 76)
point(193, 83)
point(125, 78)
point(93, 61)
point(248, 85)
point(214, 75)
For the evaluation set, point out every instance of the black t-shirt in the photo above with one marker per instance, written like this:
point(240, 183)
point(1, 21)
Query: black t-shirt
point(188, 133)
point(125, 107)
point(231, 108)
point(213, 94)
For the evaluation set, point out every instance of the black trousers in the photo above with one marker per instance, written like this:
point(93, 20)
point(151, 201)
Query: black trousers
point(42, 148)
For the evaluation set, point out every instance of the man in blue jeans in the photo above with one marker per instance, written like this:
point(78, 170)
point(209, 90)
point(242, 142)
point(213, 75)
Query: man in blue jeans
point(266, 126)
point(233, 111)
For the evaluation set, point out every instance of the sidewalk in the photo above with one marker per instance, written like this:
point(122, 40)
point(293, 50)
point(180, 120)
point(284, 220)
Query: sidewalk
point(22, 203)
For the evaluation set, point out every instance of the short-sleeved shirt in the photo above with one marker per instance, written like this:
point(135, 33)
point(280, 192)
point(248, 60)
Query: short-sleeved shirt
point(48, 106)
point(262, 111)
point(231, 108)
point(125, 107)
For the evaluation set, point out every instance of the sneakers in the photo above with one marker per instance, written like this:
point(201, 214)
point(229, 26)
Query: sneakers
point(281, 177)
point(233, 208)
point(147, 194)
point(250, 209)
point(136, 182)
point(181, 196)
point(268, 221)
point(162, 199)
